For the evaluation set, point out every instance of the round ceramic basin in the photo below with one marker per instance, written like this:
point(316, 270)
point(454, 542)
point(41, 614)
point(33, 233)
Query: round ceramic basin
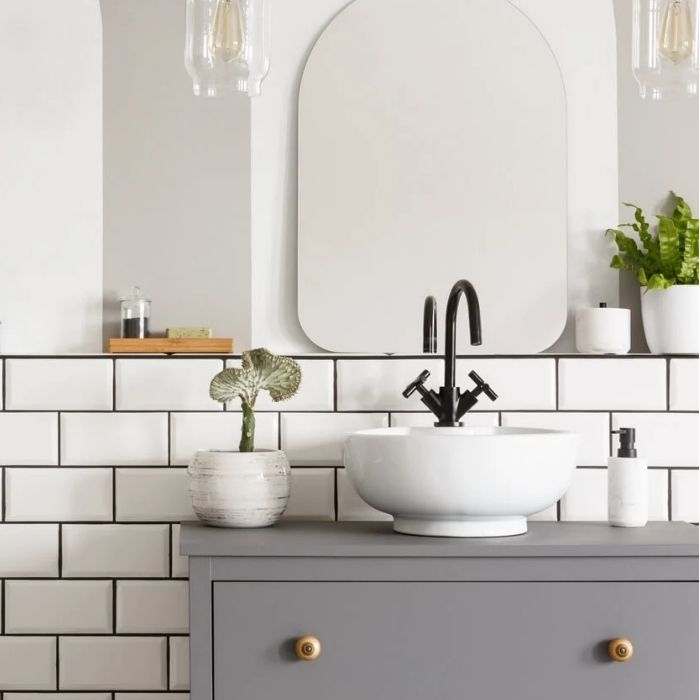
point(461, 482)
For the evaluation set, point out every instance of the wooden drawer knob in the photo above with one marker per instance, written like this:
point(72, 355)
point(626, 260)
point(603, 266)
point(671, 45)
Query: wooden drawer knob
point(620, 649)
point(307, 648)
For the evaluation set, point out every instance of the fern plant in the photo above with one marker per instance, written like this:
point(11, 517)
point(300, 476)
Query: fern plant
point(668, 258)
point(260, 370)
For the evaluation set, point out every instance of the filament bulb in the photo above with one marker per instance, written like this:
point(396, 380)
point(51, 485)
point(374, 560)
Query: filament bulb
point(227, 35)
point(676, 35)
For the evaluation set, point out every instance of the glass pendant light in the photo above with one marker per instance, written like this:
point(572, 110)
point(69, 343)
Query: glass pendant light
point(226, 46)
point(665, 48)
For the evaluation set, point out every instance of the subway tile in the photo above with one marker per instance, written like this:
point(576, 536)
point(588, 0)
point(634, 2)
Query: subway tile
point(28, 438)
point(58, 607)
point(315, 392)
point(313, 495)
point(153, 494)
point(59, 384)
point(521, 384)
point(587, 498)
point(180, 563)
point(612, 384)
point(58, 494)
point(317, 438)
point(376, 385)
point(114, 439)
point(27, 663)
point(593, 430)
point(427, 420)
point(350, 503)
point(126, 551)
point(216, 431)
point(663, 439)
point(657, 490)
point(59, 696)
point(152, 607)
point(684, 383)
point(166, 384)
point(684, 496)
point(112, 663)
point(546, 515)
point(179, 663)
point(28, 550)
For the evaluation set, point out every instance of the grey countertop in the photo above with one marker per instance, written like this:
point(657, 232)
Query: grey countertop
point(377, 539)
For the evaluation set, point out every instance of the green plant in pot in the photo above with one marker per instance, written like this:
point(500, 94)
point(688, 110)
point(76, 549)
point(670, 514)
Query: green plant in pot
point(249, 487)
point(665, 263)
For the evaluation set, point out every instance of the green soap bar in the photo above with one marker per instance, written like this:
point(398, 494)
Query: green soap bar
point(187, 332)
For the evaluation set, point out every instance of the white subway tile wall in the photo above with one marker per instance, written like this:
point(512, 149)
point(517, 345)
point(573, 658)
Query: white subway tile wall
point(683, 385)
point(190, 432)
point(167, 384)
point(93, 485)
point(612, 384)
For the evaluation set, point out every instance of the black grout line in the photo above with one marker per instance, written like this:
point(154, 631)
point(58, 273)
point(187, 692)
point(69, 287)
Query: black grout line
point(379, 409)
point(335, 494)
point(4, 495)
point(114, 606)
point(58, 663)
point(556, 383)
point(168, 438)
point(114, 384)
point(170, 550)
point(4, 384)
point(668, 385)
point(60, 550)
point(670, 494)
point(58, 457)
point(167, 662)
point(335, 386)
point(360, 357)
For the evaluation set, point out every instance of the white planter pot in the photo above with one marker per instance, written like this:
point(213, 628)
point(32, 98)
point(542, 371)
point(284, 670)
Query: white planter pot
point(670, 318)
point(239, 489)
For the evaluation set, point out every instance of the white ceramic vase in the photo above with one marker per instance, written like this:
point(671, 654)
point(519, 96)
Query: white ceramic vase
point(239, 489)
point(670, 318)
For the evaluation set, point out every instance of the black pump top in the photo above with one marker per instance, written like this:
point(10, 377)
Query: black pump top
point(603, 305)
point(627, 438)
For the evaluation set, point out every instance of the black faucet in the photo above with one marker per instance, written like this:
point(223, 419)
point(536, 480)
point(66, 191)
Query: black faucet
point(450, 404)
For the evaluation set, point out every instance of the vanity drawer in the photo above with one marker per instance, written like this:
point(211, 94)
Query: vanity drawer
point(482, 641)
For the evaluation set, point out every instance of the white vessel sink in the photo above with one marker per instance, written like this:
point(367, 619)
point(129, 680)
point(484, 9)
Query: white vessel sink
point(461, 482)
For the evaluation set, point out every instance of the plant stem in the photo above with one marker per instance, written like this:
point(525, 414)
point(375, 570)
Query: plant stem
point(247, 429)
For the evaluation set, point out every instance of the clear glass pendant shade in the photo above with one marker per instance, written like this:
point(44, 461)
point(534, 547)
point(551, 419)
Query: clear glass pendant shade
point(665, 48)
point(226, 46)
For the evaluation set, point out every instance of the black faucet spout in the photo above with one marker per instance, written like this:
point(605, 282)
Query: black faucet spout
point(466, 289)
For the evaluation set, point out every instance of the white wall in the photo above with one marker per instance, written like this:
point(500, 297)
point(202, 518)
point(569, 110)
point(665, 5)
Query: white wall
point(658, 144)
point(50, 176)
point(176, 178)
point(581, 36)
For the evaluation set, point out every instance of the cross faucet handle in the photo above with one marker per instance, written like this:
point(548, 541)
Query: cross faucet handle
point(416, 383)
point(482, 386)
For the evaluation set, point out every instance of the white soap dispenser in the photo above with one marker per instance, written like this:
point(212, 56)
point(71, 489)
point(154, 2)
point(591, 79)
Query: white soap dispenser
point(627, 484)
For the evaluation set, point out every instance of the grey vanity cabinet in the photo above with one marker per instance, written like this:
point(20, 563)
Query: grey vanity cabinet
point(420, 618)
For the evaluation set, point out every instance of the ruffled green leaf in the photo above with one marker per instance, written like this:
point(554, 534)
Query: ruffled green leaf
point(688, 273)
point(670, 246)
point(260, 370)
point(658, 281)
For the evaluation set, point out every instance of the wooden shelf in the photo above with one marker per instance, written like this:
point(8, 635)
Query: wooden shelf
point(171, 346)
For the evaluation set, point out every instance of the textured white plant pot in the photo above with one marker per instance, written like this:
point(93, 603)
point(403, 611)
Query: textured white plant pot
point(670, 318)
point(239, 489)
